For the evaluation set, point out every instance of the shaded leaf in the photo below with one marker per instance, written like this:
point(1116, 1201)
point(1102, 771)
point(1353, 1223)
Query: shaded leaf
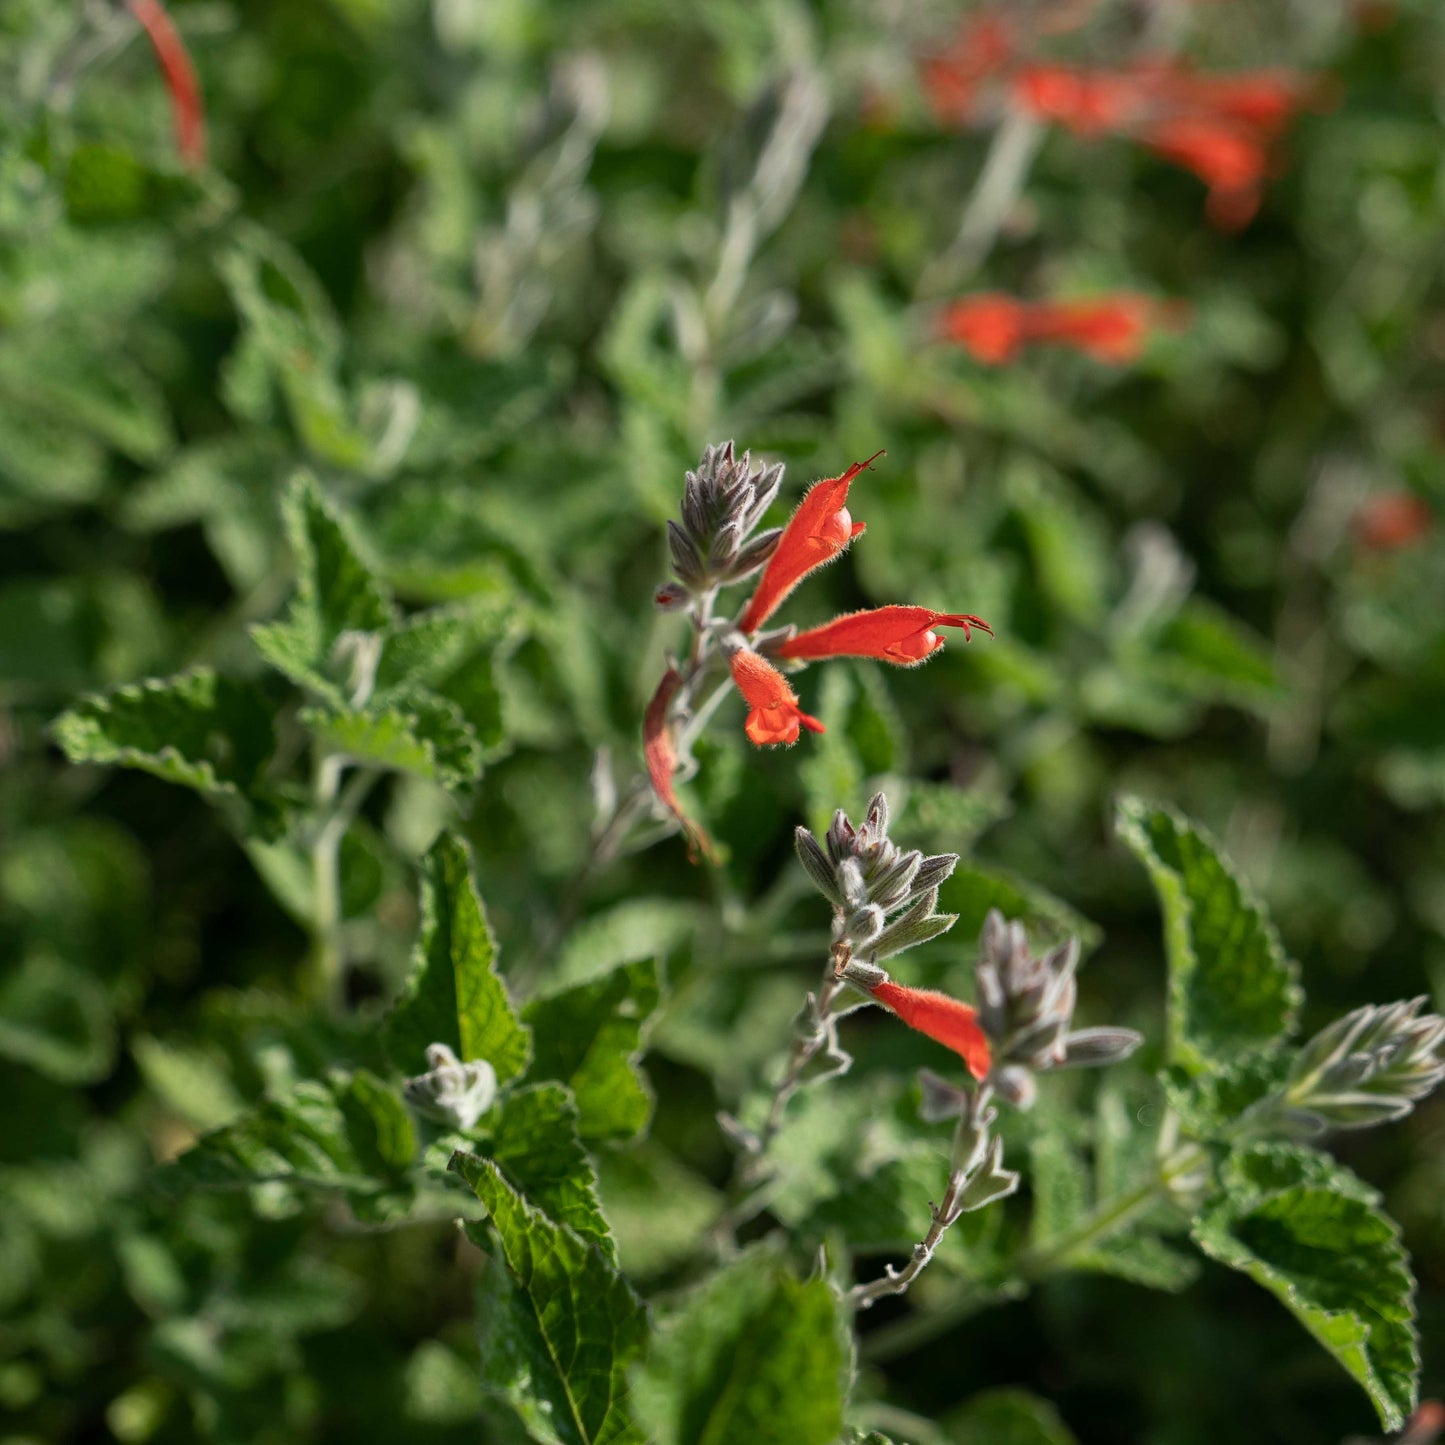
point(559, 1325)
point(753, 1354)
point(453, 994)
point(533, 1137)
point(1314, 1236)
point(1232, 990)
point(590, 1037)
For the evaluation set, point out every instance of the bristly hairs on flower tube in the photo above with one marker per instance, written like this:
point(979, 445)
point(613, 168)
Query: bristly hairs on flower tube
point(716, 544)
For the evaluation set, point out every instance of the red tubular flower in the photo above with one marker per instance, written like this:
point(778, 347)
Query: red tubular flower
point(951, 1023)
point(187, 108)
point(1391, 521)
point(991, 326)
point(952, 79)
point(819, 530)
point(1087, 102)
point(1227, 158)
point(995, 328)
point(774, 715)
point(661, 759)
point(904, 636)
point(1114, 329)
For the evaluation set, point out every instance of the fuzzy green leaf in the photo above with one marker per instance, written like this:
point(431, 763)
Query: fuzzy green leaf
point(417, 732)
point(1232, 989)
point(348, 1132)
point(453, 994)
point(1313, 1235)
point(752, 1355)
point(559, 1325)
point(196, 729)
point(534, 1140)
point(336, 592)
point(1007, 1417)
point(590, 1037)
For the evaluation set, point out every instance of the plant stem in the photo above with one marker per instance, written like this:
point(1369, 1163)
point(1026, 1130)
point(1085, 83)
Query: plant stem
point(1005, 169)
point(897, 1281)
point(1103, 1221)
point(327, 967)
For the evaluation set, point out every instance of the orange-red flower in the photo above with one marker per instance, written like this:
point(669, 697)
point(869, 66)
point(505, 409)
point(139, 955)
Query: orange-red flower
point(773, 712)
point(187, 109)
point(951, 79)
point(948, 1021)
point(901, 635)
point(819, 530)
point(1219, 127)
point(1391, 521)
point(1230, 160)
point(995, 328)
point(660, 756)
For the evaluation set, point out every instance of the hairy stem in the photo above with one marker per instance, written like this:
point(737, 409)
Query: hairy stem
point(1102, 1222)
point(897, 1281)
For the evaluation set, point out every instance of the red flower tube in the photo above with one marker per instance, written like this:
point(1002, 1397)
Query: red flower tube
point(904, 636)
point(774, 715)
point(991, 326)
point(187, 108)
point(1229, 160)
point(817, 532)
point(1113, 329)
point(945, 1020)
point(661, 758)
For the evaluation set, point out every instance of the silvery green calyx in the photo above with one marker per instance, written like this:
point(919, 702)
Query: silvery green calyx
point(1026, 1007)
point(1366, 1068)
point(723, 502)
point(452, 1092)
point(870, 881)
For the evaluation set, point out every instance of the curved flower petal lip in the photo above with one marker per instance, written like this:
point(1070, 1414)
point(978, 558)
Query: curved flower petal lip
point(187, 107)
point(774, 715)
point(661, 759)
point(816, 533)
point(904, 636)
point(946, 1020)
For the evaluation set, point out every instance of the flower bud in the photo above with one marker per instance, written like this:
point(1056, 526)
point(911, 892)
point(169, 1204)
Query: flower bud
point(456, 1094)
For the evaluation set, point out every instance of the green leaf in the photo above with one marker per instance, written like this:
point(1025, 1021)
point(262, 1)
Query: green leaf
point(57, 1019)
point(417, 732)
point(590, 1037)
point(534, 1139)
point(1062, 1197)
point(349, 1132)
point(559, 1325)
point(1313, 1235)
point(970, 892)
point(1007, 1417)
point(336, 592)
point(1232, 990)
point(1208, 654)
point(453, 994)
point(658, 1208)
point(196, 729)
point(752, 1355)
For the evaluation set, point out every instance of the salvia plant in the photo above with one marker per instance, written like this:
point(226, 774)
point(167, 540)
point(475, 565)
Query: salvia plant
point(504, 938)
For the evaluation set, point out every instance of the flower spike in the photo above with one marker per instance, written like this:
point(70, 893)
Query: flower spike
point(946, 1020)
point(661, 758)
point(774, 715)
point(904, 636)
point(819, 530)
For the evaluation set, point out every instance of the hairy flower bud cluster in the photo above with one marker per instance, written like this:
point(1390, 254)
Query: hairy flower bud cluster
point(1026, 1007)
point(722, 503)
point(867, 879)
point(1366, 1068)
point(452, 1092)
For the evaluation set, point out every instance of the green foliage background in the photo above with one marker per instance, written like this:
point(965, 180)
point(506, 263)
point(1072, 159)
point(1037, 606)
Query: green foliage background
point(469, 265)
